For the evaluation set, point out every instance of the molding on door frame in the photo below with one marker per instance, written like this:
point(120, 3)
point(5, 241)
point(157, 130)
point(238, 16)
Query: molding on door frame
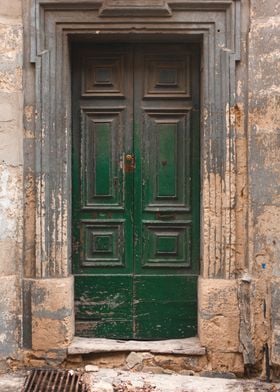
point(217, 23)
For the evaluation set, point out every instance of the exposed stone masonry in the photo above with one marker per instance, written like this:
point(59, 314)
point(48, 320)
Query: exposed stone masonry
point(11, 184)
point(239, 287)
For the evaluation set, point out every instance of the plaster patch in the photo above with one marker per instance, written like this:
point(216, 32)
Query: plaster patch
point(9, 257)
point(9, 315)
point(239, 88)
point(11, 132)
point(29, 113)
point(264, 8)
point(267, 22)
point(267, 118)
point(267, 240)
point(11, 42)
point(219, 315)
point(52, 320)
point(11, 81)
point(11, 9)
point(57, 314)
point(10, 202)
point(6, 112)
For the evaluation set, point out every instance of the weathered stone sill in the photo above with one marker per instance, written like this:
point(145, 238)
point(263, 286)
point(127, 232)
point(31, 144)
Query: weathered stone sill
point(189, 346)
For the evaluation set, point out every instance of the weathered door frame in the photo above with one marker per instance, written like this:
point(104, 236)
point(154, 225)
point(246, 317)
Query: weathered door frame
point(52, 24)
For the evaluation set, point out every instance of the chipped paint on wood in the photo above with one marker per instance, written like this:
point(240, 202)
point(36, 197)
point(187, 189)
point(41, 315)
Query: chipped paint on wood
point(240, 157)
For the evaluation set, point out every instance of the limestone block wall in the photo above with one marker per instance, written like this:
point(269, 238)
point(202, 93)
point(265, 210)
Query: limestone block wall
point(11, 153)
point(239, 312)
point(246, 311)
point(264, 175)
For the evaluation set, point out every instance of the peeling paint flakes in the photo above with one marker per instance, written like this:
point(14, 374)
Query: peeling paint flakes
point(10, 202)
point(239, 88)
point(3, 338)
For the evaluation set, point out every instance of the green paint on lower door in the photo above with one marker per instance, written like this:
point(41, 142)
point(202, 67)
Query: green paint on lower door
point(166, 306)
point(135, 190)
point(104, 306)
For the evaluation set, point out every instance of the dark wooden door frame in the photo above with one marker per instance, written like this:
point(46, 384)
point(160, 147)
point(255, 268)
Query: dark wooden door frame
point(51, 25)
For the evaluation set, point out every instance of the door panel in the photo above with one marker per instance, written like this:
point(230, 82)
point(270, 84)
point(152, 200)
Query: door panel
point(166, 245)
point(135, 190)
point(165, 264)
point(102, 204)
point(103, 306)
point(102, 148)
point(165, 145)
point(165, 307)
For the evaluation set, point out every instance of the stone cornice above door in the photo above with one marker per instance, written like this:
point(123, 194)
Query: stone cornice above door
point(137, 4)
point(199, 16)
point(136, 8)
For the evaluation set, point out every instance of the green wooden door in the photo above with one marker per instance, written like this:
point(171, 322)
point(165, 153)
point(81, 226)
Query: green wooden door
point(136, 190)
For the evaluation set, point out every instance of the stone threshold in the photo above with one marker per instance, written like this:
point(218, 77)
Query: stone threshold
point(188, 346)
point(118, 380)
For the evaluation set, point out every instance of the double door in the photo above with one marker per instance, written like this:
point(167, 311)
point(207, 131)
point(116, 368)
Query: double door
point(135, 190)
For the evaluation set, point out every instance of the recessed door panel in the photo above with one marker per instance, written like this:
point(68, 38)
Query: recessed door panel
point(101, 154)
point(166, 245)
point(165, 157)
point(135, 190)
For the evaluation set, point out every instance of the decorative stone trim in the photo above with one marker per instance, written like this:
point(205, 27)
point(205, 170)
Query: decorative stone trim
point(213, 24)
point(216, 25)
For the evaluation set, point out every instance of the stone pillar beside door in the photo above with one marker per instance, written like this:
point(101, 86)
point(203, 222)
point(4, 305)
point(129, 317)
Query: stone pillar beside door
point(51, 313)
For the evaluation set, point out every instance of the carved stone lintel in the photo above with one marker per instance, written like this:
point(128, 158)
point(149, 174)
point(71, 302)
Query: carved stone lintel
point(118, 8)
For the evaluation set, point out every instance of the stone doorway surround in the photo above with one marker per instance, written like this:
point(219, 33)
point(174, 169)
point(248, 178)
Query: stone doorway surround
point(48, 316)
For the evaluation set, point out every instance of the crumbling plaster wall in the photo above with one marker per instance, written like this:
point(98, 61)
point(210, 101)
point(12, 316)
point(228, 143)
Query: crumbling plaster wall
point(11, 153)
point(264, 176)
point(254, 296)
point(245, 312)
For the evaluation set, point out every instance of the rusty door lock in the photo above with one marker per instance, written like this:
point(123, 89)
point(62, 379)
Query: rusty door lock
point(129, 163)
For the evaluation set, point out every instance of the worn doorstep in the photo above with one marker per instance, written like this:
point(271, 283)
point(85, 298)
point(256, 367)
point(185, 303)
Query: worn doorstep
point(189, 346)
point(115, 380)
